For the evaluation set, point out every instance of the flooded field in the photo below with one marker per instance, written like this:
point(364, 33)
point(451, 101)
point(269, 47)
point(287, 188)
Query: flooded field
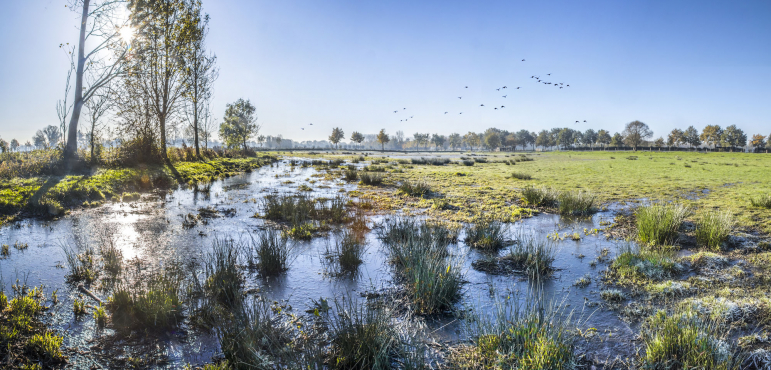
point(179, 228)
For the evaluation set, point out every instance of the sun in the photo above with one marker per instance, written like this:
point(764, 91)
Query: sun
point(126, 33)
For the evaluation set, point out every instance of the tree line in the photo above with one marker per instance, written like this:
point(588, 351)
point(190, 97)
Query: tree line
point(635, 134)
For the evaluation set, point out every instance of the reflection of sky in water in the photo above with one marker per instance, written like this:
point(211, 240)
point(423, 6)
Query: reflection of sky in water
point(152, 231)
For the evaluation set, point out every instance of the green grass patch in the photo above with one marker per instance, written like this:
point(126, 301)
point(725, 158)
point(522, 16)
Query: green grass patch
point(713, 228)
point(659, 223)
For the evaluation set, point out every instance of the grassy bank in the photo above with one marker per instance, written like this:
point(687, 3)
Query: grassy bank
point(52, 195)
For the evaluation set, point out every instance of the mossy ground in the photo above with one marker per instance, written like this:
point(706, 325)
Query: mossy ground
point(51, 195)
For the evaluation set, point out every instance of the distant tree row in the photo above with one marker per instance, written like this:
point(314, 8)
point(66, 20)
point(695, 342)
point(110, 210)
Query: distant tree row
point(634, 135)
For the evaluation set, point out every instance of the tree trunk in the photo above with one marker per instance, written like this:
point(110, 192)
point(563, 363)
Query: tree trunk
point(72, 134)
point(164, 154)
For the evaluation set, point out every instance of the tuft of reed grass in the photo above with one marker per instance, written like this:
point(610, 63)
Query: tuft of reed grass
point(633, 264)
point(223, 280)
point(82, 265)
point(533, 256)
point(414, 188)
point(271, 251)
point(575, 203)
point(363, 337)
point(682, 340)
point(521, 176)
point(486, 235)
point(713, 228)
point(155, 302)
point(467, 162)
point(371, 179)
point(419, 253)
point(762, 201)
point(539, 197)
point(348, 252)
point(350, 174)
point(658, 223)
point(526, 333)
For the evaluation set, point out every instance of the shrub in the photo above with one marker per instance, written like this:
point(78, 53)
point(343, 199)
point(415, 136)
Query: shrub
point(658, 224)
point(47, 346)
point(486, 234)
point(539, 197)
point(683, 341)
point(576, 203)
point(414, 189)
point(713, 228)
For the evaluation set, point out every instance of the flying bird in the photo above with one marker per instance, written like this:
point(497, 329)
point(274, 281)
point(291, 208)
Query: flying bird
point(517, 87)
point(311, 124)
point(412, 116)
point(496, 108)
point(302, 128)
point(505, 96)
point(504, 87)
point(503, 106)
point(548, 74)
point(404, 108)
point(459, 97)
point(460, 113)
point(396, 111)
point(445, 112)
point(481, 105)
point(467, 87)
point(584, 120)
point(523, 60)
point(498, 89)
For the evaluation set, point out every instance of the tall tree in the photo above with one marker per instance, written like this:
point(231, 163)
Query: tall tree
point(40, 140)
point(543, 139)
point(383, 139)
point(438, 141)
point(14, 145)
point(617, 140)
point(239, 124)
point(711, 135)
point(455, 140)
point(603, 138)
point(758, 141)
point(166, 32)
point(525, 138)
point(201, 71)
point(53, 135)
point(589, 138)
point(733, 137)
point(659, 142)
point(565, 137)
point(337, 135)
point(511, 141)
point(691, 137)
point(357, 137)
point(97, 107)
point(472, 139)
point(635, 133)
point(99, 26)
point(675, 137)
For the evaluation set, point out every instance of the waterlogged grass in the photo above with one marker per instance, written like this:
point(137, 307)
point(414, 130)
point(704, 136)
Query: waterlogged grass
point(486, 235)
point(25, 341)
point(539, 196)
point(659, 223)
point(715, 180)
point(414, 188)
point(634, 264)
point(52, 195)
point(684, 341)
point(347, 253)
point(418, 251)
point(270, 253)
point(155, 303)
point(576, 203)
point(713, 228)
point(533, 334)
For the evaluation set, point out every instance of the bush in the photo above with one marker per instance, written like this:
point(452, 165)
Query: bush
point(658, 223)
point(539, 197)
point(713, 228)
point(467, 162)
point(576, 203)
point(350, 174)
point(371, 179)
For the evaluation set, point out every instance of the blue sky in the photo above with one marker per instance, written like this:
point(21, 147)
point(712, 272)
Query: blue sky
point(352, 63)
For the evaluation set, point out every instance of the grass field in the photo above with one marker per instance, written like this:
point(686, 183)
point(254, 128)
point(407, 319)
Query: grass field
point(713, 180)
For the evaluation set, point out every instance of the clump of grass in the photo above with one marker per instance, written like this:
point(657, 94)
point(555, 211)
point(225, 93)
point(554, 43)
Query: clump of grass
point(130, 197)
point(583, 281)
point(350, 174)
point(224, 281)
point(153, 303)
point(531, 256)
point(539, 197)
point(419, 254)
point(272, 253)
point(401, 230)
point(486, 235)
point(23, 334)
point(47, 346)
point(658, 224)
point(79, 307)
point(5, 250)
point(371, 179)
point(467, 162)
point(297, 210)
point(100, 316)
point(762, 201)
point(520, 176)
point(633, 264)
point(301, 231)
point(414, 188)
point(576, 203)
point(112, 257)
point(713, 228)
point(612, 295)
point(683, 341)
point(19, 246)
point(82, 265)
point(519, 334)
point(348, 252)
point(363, 336)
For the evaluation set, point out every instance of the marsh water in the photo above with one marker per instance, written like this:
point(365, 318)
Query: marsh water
point(153, 232)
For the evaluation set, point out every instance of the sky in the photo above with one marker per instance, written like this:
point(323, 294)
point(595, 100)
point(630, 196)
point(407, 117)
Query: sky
point(351, 64)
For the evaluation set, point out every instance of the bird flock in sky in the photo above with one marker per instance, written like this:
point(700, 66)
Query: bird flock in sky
point(537, 79)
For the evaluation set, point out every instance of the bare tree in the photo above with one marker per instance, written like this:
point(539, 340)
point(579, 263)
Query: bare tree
point(97, 107)
point(201, 73)
point(99, 26)
point(158, 72)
